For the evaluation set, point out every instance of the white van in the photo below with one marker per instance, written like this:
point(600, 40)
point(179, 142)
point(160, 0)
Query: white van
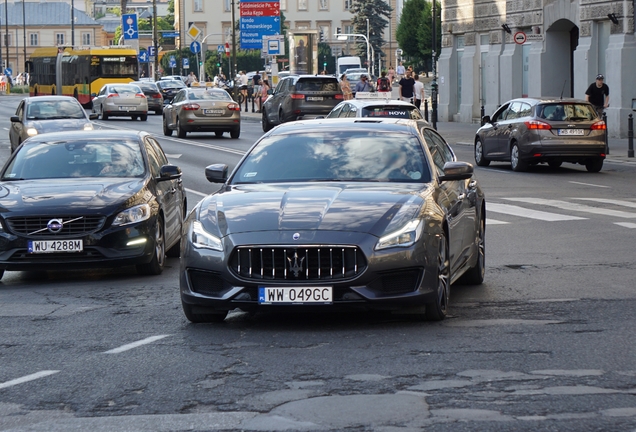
point(344, 63)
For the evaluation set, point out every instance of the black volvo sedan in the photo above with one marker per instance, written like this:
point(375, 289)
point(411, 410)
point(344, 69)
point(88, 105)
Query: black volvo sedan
point(90, 199)
point(338, 213)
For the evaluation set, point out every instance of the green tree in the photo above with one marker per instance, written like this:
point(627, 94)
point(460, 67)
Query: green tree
point(425, 34)
point(378, 13)
point(408, 30)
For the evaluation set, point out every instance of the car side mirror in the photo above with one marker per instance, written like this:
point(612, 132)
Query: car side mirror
point(93, 116)
point(169, 172)
point(485, 119)
point(15, 119)
point(270, 91)
point(456, 171)
point(93, 95)
point(216, 173)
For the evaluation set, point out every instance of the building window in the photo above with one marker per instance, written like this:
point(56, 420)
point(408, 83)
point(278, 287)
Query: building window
point(347, 4)
point(323, 4)
point(33, 39)
point(325, 35)
point(198, 5)
point(348, 29)
point(302, 5)
point(7, 39)
point(227, 5)
point(283, 5)
point(303, 25)
point(86, 39)
point(59, 38)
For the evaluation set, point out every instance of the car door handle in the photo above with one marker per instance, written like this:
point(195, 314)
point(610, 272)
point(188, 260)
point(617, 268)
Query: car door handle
point(472, 184)
point(461, 196)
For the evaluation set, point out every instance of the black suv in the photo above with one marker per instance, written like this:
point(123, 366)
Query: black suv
point(298, 96)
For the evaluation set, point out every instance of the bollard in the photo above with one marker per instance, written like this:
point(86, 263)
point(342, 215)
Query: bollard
point(607, 149)
point(246, 98)
point(482, 114)
point(426, 109)
point(630, 136)
point(253, 98)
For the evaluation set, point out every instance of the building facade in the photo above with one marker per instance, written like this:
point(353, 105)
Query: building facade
point(553, 48)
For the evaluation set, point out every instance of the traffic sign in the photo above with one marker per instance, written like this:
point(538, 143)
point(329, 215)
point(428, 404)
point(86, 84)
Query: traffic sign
point(152, 51)
point(273, 45)
point(227, 49)
point(254, 28)
point(534, 37)
point(259, 8)
point(520, 38)
point(8, 71)
point(143, 56)
point(194, 31)
point(129, 25)
point(170, 34)
point(173, 62)
point(220, 49)
point(195, 47)
point(186, 63)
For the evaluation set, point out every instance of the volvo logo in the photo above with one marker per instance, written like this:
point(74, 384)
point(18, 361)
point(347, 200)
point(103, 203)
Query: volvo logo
point(295, 265)
point(296, 236)
point(55, 226)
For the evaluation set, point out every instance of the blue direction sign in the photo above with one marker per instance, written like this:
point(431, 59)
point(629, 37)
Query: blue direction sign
point(173, 62)
point(195, 47)
point(258, 18)
point(129, 24)
point(143, 56)
point(170, 34)
point(220, 49)
point(8, 71)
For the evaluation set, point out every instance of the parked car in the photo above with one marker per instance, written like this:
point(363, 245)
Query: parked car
point(169, 88)
point(327, 215)
point(377, 106)
point(41, 114)
point(112, 199)
point(181, 78)
point(153, 95)
point(121, 100)
point(529, 131)
point(201, 110)
point(298, 96)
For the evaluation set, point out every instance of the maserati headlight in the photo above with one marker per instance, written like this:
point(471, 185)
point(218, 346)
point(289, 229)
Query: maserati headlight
point(202, 239)
point(404, 237)
point(32, 131)
point(132, 215)
point(88, 126)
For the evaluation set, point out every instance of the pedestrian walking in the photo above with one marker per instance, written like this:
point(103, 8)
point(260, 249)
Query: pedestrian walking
point(263, 88)
point(418, 91)
point(400, 71)
point(391, 74)
point(363, 85)
point(384, 84)
point(345, 86)
point(598, 94)
point(406, 87)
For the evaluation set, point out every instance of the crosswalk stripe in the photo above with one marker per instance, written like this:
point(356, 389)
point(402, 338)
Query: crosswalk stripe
point(527, 213)
point(622, 203)
point(564, 205)
point(626, 224)
point(495, 222)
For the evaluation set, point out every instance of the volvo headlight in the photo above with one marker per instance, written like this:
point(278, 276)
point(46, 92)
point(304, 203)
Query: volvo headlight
point(202, 239)
point(404, 237)
point(88, 126)
point(31, 131)
point(132, 215)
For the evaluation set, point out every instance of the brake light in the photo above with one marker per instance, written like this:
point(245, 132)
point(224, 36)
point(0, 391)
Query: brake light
point(297, 96)
point(534, 124)
point(141, 95)
point(112, 95)
point(599, 126)
point(191, 107)
point(156, 95)
point(339, 96)
point(233, 107)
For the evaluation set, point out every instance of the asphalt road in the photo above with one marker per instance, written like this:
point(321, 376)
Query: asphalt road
point(546, 343)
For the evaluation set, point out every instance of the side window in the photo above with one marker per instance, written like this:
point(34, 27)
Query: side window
point(500, 114)
point(353, 111)
point(102, 91)
point(525, 110)
point(439, 150)
point(161, 156)
point(513, 112)
point(345, 110)
point(153, 160)
point(336, 111)
point(281, 85)
point(18, 111)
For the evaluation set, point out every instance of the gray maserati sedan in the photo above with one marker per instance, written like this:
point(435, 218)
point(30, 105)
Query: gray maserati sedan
point(323, 215)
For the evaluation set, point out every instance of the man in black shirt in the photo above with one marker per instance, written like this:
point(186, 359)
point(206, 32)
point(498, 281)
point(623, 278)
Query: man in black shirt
point(406, 87)
point(598, 94)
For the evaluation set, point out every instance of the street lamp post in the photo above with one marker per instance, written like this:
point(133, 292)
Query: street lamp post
point(72, 22)
point(203, 55)
point(23, 33)
point(154, 39)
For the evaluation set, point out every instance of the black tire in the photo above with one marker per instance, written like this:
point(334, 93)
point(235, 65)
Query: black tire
point(516, 163)
point(155, 266)
point(143, 117)
point(159, 111)
point(219, 134)
point(480, 160)
point(166, 130)
point(267, 126)
point(594, 165)
point(554, 164)
point(104, 115)
point(235, 133)
point(475, 275)
point(1, 273)
point(436, 311)
point(181, 132)
point(175, 250)
point(281, 118)
point(208, 317)
point(134, 117)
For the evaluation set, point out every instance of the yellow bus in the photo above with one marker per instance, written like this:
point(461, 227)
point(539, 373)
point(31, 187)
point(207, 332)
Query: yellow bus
point(80, 71)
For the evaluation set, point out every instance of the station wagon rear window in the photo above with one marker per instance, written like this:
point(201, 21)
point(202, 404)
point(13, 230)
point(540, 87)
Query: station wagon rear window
point(317, 84)
point(566, 111)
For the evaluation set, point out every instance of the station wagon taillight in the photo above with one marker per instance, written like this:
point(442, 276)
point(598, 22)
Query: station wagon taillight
point(535, 124)
point(599, 126)
point(297, 96)
point(338, 96)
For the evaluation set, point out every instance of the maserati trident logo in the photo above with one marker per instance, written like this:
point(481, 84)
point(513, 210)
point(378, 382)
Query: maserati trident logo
point(296, 265)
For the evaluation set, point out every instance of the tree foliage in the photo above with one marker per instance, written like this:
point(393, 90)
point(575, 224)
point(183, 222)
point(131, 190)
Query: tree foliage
point(414, 33)
point(378, 13)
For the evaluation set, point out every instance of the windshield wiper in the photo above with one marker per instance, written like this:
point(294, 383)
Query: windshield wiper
point(12, 178)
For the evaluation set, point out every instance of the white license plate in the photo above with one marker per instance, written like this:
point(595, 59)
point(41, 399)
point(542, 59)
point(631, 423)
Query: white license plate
point(214, 112)
point(126, 108)
point(55, 246)
point(571, 132)
point(295, 295)
point(314, 98)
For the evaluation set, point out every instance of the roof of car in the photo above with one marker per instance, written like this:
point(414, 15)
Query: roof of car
point(549, 99)
point(87, 134)
point(30, 99)
point(379, 124)
point(378, 101)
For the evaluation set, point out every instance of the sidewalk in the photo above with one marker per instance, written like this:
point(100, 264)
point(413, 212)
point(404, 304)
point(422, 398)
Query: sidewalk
point(464, 134)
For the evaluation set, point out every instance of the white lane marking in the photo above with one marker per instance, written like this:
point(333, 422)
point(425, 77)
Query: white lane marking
point(527, 213)
point(494, 221)
point(590, 184)
point(135, 344)
point(564, 205)
point(28, 378)
point(196, 192)
point(626, 224)
point(623, 203)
